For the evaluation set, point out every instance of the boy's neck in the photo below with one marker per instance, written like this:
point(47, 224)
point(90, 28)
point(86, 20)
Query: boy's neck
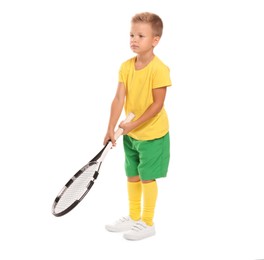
point(143, 60)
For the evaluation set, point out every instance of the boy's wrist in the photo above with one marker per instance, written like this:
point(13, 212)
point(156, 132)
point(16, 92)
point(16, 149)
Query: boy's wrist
point(111, 128)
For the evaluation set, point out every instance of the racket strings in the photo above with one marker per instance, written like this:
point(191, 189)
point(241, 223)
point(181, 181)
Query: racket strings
point(76, 190)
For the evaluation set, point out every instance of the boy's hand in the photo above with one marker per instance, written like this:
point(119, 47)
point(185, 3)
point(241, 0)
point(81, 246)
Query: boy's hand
point(110, 137)
point(127, 127)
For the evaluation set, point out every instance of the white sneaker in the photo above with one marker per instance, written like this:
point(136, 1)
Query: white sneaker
point(121, 225)
point(139, 231)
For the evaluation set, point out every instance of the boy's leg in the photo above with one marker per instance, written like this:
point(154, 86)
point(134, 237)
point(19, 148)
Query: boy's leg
point(145, 228)
point(134, 196)
point(134, 189)
point(150, 193)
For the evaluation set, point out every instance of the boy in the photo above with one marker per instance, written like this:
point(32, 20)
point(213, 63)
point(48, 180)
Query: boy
point(142, 85)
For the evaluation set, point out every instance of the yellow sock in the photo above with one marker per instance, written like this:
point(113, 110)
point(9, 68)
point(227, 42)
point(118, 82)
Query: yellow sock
point(150, 193)
point(134, 196)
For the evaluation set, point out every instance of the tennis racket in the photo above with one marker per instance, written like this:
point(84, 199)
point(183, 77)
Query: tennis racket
point(79, 185)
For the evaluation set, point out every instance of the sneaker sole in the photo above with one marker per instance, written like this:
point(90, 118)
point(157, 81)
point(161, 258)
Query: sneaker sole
point(133, 238)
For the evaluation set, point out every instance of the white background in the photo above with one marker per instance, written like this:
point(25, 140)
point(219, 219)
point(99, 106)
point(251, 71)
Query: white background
point(59, 66)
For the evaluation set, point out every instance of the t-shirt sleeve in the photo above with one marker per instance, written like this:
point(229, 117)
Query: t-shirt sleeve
point(121, 74)
point(161, 77)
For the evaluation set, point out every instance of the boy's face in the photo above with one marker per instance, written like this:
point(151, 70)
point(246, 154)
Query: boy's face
point(142, 39)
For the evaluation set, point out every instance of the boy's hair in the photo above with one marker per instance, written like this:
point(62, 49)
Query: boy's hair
point(151, 18)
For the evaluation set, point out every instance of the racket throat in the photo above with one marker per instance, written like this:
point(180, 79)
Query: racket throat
point(105, 151)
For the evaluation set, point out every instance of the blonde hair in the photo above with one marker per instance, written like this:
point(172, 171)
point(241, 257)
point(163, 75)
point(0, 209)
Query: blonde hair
point(151, 18)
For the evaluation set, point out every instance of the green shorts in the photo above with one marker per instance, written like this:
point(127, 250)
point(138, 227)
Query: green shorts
point(148, 159)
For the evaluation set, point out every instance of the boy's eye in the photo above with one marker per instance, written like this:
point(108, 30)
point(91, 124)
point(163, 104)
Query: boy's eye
point(140, 36)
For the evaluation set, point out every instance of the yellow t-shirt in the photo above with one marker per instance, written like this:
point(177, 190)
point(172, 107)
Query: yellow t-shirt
point(139, 85)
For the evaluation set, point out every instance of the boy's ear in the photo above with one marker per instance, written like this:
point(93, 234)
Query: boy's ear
point(156, 41)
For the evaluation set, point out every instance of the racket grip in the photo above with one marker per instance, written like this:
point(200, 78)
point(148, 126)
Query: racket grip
point(119, 131)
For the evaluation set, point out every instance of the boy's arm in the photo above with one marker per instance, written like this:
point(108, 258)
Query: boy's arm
point(159, 95)
point(116, 110)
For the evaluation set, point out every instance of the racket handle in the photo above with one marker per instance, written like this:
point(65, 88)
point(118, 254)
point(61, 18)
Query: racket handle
point(119, 131)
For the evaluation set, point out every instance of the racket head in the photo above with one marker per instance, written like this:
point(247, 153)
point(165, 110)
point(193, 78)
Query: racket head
point(77, 187)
